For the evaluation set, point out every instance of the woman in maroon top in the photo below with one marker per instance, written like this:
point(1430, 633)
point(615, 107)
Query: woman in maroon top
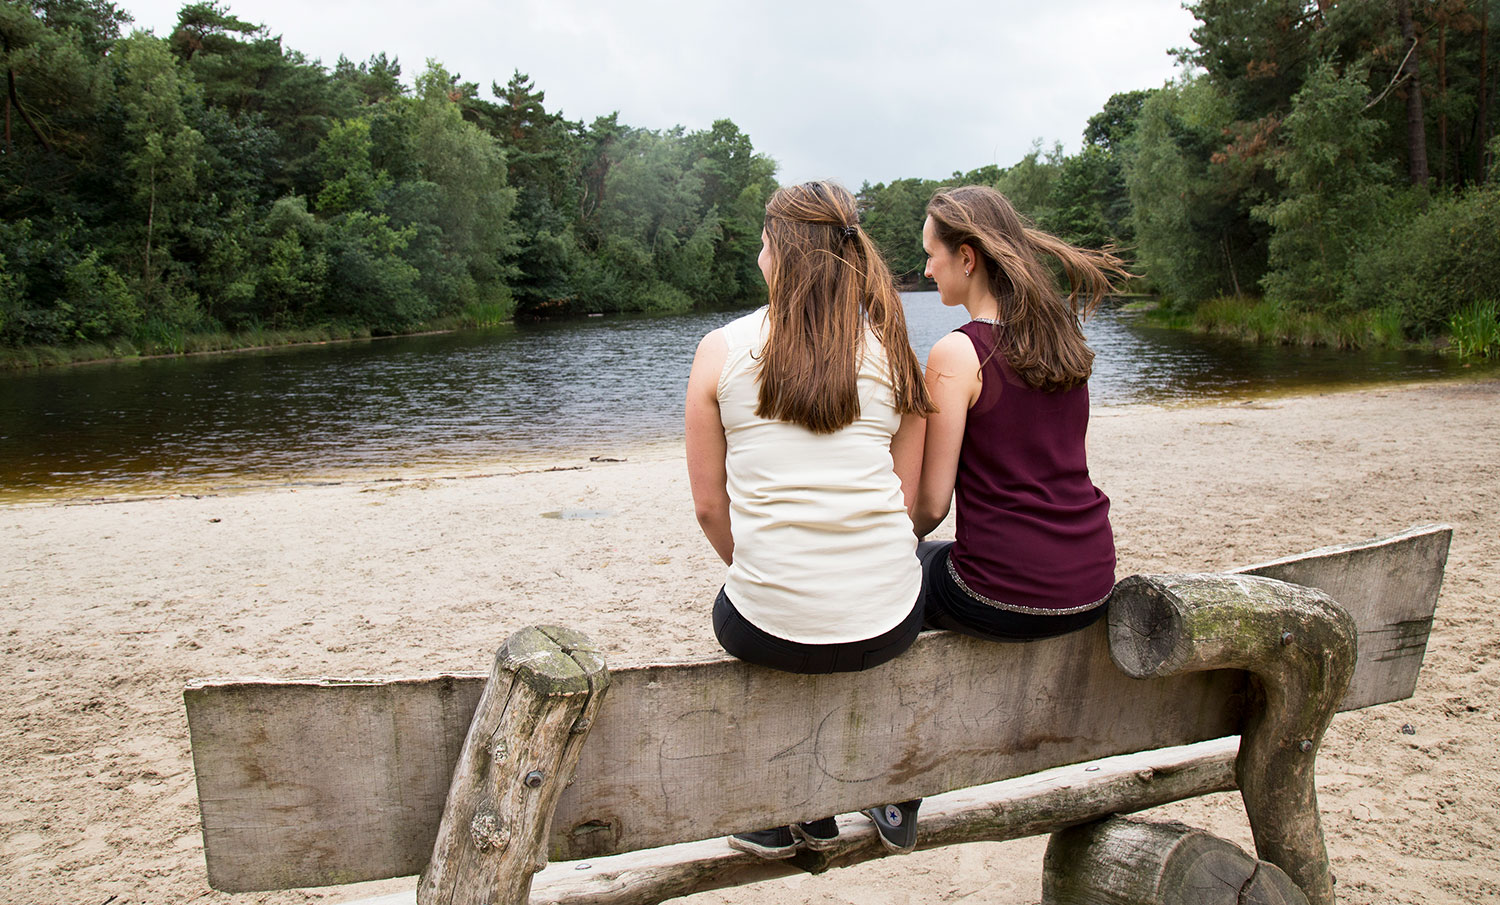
point(1034, 555)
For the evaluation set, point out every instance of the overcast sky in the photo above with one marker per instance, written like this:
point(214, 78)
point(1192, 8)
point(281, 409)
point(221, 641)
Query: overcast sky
point(852, 91)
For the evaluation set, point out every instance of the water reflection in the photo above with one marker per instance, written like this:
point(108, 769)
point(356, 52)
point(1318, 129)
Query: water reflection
point(524, 394)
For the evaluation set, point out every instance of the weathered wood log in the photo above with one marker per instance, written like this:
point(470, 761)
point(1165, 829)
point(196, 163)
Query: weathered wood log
point(1119, 861)
point(543, 694)
point(1300, 646)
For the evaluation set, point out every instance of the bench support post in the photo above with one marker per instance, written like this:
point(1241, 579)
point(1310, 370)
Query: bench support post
point(1299, 645)
point(543, 694)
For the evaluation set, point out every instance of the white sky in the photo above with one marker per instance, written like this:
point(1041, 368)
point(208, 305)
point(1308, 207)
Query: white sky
point(852, 91)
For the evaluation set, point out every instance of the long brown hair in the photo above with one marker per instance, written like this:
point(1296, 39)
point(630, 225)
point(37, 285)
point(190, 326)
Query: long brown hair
point(1042, 333)
point(828, 282)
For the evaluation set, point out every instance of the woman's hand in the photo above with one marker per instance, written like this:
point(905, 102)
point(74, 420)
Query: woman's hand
point(953, 383)
point(706, 446)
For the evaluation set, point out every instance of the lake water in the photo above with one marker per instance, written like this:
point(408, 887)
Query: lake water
point(518, 395)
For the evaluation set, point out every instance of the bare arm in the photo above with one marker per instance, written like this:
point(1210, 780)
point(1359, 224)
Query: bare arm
point(953, 384)
point(706, 446)
point(906, 454)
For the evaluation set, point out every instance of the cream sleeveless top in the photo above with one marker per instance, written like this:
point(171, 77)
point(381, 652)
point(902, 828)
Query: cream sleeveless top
point(823, 547)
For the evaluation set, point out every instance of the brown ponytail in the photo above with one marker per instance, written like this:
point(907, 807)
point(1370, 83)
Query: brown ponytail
point(827, 283)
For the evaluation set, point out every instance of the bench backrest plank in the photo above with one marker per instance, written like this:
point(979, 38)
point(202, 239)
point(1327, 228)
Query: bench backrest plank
point(322, 782)
point(1390, 586)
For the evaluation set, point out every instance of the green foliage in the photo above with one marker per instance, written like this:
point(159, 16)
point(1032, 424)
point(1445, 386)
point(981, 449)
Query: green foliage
point(1334, 190)
point(159, 167)
point(893, 216)
point(1194, 236)
point(369, 282)
point(1475, 330)
point(295, 267)
point(158, 192)
point(1430, 263)
point(1112, 128)
point(1087, 189)
point(1257, 53)
point(351, 181)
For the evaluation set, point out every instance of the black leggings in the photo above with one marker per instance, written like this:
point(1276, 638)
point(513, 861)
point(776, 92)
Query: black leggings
point(753, 645)
point(948, 607)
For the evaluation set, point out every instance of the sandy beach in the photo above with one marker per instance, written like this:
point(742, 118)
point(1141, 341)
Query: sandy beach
point(110, 607)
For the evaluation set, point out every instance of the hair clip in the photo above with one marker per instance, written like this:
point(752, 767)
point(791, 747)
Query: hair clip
point(849, 232)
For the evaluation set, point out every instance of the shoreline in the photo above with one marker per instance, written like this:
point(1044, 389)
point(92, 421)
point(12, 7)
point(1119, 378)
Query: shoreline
point(111, 609)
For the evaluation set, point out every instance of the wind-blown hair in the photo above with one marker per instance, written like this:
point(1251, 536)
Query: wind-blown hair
point(828, 283)
point(1041, 333)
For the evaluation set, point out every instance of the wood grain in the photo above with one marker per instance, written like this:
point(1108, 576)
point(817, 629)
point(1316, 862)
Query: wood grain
point(1120, 861)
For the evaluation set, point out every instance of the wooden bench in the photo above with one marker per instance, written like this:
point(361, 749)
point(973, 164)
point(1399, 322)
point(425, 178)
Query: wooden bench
point(476, 781)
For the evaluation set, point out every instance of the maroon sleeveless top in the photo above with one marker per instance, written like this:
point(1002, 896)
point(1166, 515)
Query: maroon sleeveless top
point(1033, 530)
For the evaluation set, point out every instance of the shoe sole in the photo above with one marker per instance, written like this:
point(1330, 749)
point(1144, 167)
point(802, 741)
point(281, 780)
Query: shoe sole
point(762, 851)
point(815, 843)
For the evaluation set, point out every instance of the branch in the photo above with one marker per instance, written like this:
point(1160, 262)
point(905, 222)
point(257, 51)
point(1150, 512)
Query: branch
point(1396, 79)
point(15, 101)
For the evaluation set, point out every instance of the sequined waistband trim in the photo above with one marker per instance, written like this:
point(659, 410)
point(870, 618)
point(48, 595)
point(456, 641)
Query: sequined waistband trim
point(1015, 608)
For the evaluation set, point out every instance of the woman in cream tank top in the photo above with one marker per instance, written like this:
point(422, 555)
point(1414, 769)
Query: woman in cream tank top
point(804, 443)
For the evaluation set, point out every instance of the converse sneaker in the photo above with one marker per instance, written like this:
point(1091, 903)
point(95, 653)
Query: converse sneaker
point(773, 844)
point(818, 835)
point(897, 825)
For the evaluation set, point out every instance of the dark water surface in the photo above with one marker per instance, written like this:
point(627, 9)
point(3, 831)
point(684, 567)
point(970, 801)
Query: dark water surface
point(524, 395)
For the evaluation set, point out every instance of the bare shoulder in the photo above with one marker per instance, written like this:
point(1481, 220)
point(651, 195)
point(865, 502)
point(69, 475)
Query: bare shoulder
point(713, 345)
point(708, 361)
point(954, 353)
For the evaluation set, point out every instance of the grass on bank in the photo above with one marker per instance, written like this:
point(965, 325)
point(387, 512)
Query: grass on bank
point(1475, 331)
point(1260, 321)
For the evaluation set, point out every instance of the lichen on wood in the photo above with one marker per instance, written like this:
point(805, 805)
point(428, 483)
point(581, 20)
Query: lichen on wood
point(545, 690)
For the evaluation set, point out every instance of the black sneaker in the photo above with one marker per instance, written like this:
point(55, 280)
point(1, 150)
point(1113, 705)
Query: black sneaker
point(818, 835)
point(897, 825)
point(773, 844)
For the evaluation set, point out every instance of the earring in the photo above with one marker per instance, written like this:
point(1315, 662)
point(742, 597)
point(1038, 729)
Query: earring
point(966, 272)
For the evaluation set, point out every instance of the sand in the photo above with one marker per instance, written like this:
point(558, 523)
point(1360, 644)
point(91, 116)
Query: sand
point(110, 607)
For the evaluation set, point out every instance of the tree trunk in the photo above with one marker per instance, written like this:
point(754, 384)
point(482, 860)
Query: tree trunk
point(1119, 861)
point(150, 228)
point(1416, 129)
point(15, 101)
point(1481, 170)
point(1442, 104)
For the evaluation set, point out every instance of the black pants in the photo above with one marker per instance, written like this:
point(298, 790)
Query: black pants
point(753, 645)
point(948, 607)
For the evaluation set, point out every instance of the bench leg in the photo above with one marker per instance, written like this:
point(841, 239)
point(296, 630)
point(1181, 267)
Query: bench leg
point(523, 744)
point(1300, 646)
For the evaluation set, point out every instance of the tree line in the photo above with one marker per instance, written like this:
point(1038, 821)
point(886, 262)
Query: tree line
point(214, 180)
point(1328, 158)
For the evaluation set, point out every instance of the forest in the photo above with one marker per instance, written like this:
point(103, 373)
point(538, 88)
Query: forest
point(1319, 172)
